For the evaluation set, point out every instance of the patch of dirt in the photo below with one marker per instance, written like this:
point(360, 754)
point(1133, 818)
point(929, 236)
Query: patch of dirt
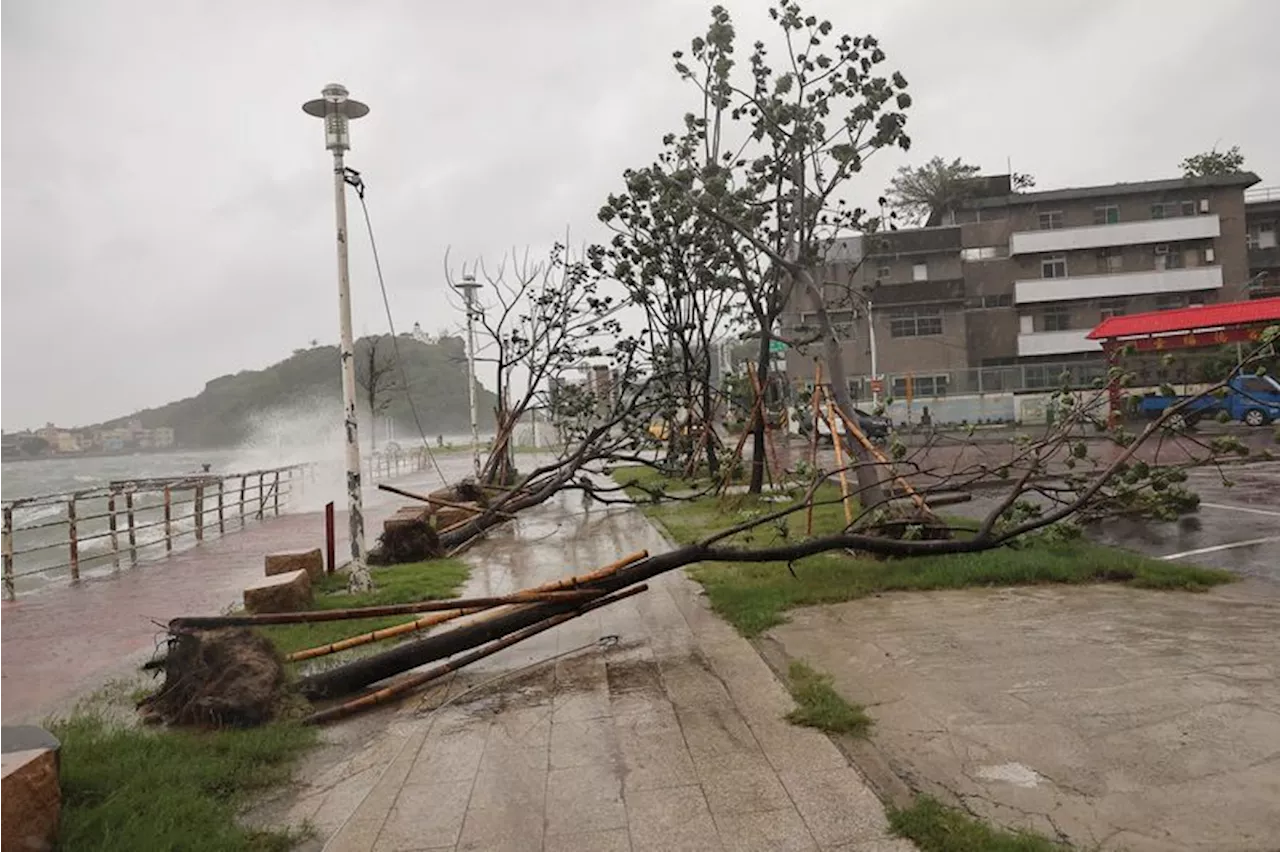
point(633, 676)
point(226, 678)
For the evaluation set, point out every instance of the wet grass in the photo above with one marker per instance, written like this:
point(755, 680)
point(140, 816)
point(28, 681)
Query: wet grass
point(755, 596)
point(434, 579)
point(934, 827)
point(819, 706)
point(126, 788)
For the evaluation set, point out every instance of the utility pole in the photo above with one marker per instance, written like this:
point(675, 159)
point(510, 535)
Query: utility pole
point(469, 286)
point(875, 359)
point(337, 110)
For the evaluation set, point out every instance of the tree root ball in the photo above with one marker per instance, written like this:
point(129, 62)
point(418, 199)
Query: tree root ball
point(411, 542)
point(230, 677)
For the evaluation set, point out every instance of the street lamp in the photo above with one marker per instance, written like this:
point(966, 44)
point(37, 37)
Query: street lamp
point(469, 286)
point(337, 110)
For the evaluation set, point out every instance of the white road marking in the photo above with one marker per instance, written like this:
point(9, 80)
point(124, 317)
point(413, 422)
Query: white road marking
point(1248, 509)
point(1217, 547)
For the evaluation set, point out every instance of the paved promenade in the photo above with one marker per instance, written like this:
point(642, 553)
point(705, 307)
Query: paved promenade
point(65, 641)
point(672, 739)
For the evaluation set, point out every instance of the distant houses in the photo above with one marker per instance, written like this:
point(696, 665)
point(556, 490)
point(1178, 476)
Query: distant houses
point(55, 440)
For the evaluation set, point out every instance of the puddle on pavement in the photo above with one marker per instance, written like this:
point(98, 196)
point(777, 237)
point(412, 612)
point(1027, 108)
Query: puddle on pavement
point(1016, 774)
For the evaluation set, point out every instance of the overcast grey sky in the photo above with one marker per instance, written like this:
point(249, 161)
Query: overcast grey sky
point(167, 209)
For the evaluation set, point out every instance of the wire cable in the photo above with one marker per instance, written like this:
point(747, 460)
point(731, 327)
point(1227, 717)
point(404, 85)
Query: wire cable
point(355, 179)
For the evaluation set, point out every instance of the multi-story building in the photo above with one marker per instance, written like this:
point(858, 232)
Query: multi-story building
point(999, 293)
point(1262, 222)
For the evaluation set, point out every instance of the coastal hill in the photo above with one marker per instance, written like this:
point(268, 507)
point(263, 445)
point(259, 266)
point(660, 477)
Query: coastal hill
point(224, 413)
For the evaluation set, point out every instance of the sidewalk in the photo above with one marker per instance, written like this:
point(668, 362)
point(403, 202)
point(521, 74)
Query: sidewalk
point(63, 642)
point(672, 739)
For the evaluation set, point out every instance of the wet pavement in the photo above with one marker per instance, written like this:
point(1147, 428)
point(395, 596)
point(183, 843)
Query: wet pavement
point(1111, 717)
point(63, 642)
point(672, 738)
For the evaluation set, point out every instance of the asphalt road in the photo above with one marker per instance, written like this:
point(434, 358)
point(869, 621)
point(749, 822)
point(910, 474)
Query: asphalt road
point(1237, 527)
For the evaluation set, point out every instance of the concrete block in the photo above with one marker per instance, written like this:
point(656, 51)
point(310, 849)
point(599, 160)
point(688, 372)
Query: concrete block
point(30, 793)
point(407, 515)
point(311, 561)
point(280, 593)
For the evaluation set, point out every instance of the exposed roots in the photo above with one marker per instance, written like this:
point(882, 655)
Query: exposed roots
point(231, 677)
point(409, 542)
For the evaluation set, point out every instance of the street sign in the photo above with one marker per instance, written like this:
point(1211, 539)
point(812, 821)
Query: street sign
point(777, 346)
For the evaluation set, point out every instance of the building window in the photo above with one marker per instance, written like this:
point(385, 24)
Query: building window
point(980, 253)
point(921, 386)
point(1114, 308)
point(1051, 220)
point(1053, 266)
point(1056, 318)
point(920, 272)
point(1110, 260)
point(1207, 255)
point(915, 322)
point(1108, 214)
point(1173, 209)
point(1261, 236)
point(883, 272)
point(1168, 256)
point(998, 300)
point(1040, 376)
point(1171, 301)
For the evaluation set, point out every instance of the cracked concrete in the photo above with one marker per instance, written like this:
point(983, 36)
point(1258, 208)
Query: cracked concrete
point(1101, 715)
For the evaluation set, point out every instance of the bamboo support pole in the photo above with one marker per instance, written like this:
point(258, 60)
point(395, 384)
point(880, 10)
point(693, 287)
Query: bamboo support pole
point(413, 681)
point(436, 501)
point(813, 441)
point(444, 611)
point(209, 622)
point(838, 444)
point(871, 448)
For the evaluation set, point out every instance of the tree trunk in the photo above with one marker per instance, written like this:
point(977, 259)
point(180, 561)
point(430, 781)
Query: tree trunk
point(870, 480)
point(708, 424)
point(759, 451)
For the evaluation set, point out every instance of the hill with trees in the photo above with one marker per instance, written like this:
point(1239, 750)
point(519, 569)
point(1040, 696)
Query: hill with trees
point(224, 413)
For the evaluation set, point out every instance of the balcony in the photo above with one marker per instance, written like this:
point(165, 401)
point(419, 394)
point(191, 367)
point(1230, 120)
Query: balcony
point(1119, 234)
point(1123, 284)
point(1056, 343)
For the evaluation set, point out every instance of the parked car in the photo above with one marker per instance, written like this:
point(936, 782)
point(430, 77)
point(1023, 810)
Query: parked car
point(874, 427)
point(1254, 400)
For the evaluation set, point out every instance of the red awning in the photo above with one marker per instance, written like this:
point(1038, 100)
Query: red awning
point(1189, 320)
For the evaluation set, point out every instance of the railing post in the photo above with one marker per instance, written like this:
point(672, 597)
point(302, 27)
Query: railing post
point(262, 496)
point(133, 532)
point(168, 520)
point(111, 526)
point(243, 480)
point(197, 511)
point(276, 494)
point(6, 544)
point(330, 553)
point(222, 525)
point(73, 539)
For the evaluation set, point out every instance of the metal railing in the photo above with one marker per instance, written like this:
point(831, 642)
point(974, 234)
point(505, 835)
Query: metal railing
point(388, 464)
point(87, 529)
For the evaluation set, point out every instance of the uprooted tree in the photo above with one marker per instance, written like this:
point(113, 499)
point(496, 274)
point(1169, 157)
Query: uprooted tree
point(760, 212)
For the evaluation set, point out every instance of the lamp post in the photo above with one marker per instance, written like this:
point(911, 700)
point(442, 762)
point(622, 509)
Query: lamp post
point(469, 286)
point(875, 359)
point(337, 110)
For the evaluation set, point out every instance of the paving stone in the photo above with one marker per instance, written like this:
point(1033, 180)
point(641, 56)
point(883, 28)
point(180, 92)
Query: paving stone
point(425, 816)
point(780, 830)
point(737, 791)
point(609, 840)
point(836, 805)
point(449, 758)
point(655, 759)
point(584, 798)
point(673, 819)
point(582, 743)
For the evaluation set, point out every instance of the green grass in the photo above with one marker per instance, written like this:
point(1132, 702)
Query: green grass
point(755, 596)
point(654, 479)
point(934, 827)
point(818, 705)
point(127, 788)
point(430, 580)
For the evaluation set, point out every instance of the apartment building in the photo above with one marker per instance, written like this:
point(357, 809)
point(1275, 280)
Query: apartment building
point(1000, 292)
point(1262, 225)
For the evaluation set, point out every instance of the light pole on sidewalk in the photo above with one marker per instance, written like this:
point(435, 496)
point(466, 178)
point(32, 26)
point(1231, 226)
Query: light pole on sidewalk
point(469, 286)
point(337, 110)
